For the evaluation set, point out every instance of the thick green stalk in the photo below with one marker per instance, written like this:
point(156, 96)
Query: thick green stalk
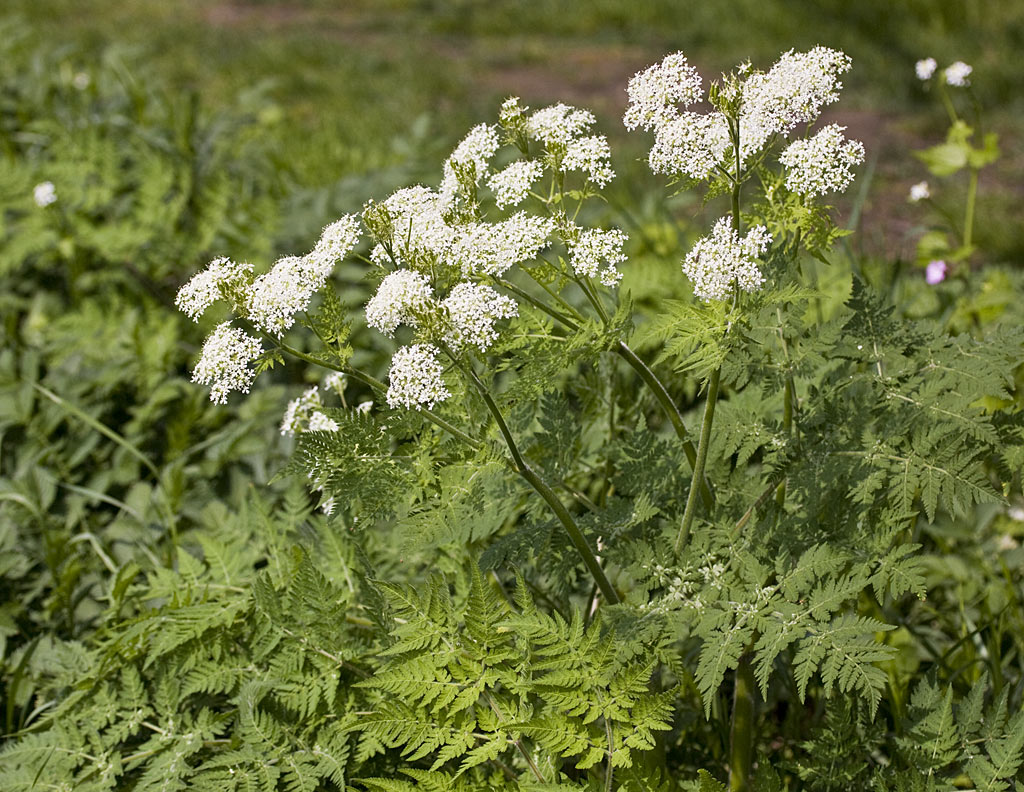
point(741, 734)
point(542, 489)
point(702, 456)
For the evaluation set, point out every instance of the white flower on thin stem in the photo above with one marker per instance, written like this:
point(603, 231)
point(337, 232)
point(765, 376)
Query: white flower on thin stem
point(224, 362)
point(559, 124)
point(956, 74)
point(416, 377)
point(722, 259)
point(335, 381)
point(399, 297)
point(919, 192)
point(821, 164)
point(44, 194)
point(592, 155)
point(473, 155)
point(691, 145)
point(494, 248)
point(594, 248)
point(925, 68)
point(655, 92)
point(210, 285)
point(276, 296)
point(473, 309)
point(297, 414)
point(792, 92)
point(335, 242)
point(418, 225)
point(514, 182)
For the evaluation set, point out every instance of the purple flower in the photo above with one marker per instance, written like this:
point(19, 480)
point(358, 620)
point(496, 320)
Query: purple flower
point(936, 271)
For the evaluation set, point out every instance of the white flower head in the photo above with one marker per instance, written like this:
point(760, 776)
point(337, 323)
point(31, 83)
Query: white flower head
point(399, 297)
point(513, 183)
point(956, 74)
point(81, 80)
point(690, 145)
point(925, 68)
point(44, 194)
point(415, 377)
point(276, 296)
point(210, 285)
point(224, 362)
point(335, 381)
point(473, 309)
point(335, 242)
point(494, 248)
point(297, 414)
point(823, 163)
point(596, 252)
point(591, 155)
point(919, 192)
point(655, 92)
point(319, 422)
point(559, 124)
point(471, 156)
point(417, 224)
point(722, 259)
point(792, 92)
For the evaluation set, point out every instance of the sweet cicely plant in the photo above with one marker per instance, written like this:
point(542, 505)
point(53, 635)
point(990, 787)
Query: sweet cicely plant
point(655, 573)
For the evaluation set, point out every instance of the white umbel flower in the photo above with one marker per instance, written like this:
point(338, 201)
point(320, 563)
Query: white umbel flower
point(494, 248)
point(925, 68)
point(792, 92)
point(399, 297)
point(318, 422)
point(690, 145)
point(472, 154)
point(44, 194)
point(559, 124)
point(722, 259)
point(956, 74)
point(335, 242)
point(596, 252)
point(591, 155)
point(208, 286)
point(418, 225)
point(919, 192)
point(297, 414)
point(224, 362)
point(655, 92)
point(473, 309)
point(415, 377)
point(821, 164)
point(513, 183)
point(335, 381)
point(276, 296)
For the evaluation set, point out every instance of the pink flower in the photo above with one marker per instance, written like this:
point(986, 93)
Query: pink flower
point(935, 272)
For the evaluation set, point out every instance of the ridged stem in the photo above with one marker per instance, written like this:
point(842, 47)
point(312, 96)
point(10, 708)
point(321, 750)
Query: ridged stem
point(741, 733)
point(702, 456)
point(549, 496)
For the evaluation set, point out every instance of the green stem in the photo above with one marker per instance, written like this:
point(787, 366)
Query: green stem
point(972, 194)
point(649, 378)
point(787, 427)
point(702, 456)
point(741, 734)
point(542, 489)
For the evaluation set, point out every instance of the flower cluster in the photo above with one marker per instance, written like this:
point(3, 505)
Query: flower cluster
point(770, 103)
point(472, 309)
point(955, 74)
point(561, 130)
point(469, 160)
point(512, 184)
point(722, 259)
point(494, 248)
point(594, 247)
point(44, 194)
point(400, 296)
point(221, 277)
point(919, 192)
point(415, 377)
point(224, 362)
point(821, 164)
point(299, 411)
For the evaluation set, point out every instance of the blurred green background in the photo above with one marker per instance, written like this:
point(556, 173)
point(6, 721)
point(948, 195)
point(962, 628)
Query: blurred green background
point(358, 84)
